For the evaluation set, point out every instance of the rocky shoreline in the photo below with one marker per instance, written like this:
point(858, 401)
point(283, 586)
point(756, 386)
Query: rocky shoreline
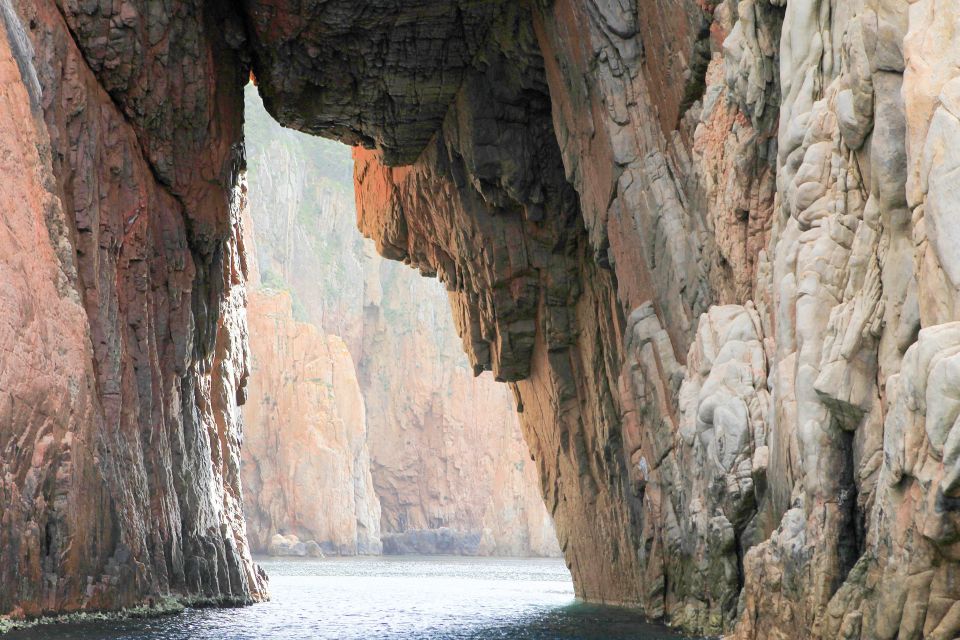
point(150, 608)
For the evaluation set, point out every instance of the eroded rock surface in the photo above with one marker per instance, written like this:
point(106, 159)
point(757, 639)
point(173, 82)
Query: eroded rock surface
point(124, 353)
point(707, 243)
point(450, 468)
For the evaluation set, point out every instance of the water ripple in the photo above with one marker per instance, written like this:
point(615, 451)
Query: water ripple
point(400, 598)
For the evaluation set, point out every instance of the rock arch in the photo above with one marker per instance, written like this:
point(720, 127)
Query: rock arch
point(703, 241)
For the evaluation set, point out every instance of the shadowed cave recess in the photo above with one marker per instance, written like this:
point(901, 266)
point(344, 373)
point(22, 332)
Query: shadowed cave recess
point(706, 244)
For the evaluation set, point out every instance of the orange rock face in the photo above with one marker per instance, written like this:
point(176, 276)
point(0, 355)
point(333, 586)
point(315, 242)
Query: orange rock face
point(445, 446)
point(47, 400)
point(306, 467)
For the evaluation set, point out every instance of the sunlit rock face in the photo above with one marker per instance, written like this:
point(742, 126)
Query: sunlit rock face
point(707, 243)
point(44, 330)
point(306, 467)
point(450, 468)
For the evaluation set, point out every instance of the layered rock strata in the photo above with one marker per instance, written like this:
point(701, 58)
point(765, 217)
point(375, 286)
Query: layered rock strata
point(708, 244)
point(124, 352)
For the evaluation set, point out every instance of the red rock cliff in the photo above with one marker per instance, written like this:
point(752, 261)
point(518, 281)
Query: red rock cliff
point(125, 350)
point(446, 446)
point(306, 467)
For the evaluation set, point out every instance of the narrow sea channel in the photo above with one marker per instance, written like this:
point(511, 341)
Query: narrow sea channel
point(392, 598)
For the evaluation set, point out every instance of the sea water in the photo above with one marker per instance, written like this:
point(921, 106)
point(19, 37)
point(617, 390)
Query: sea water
point(392, 598)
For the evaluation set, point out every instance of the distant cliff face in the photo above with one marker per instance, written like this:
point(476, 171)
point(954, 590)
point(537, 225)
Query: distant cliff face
point(306, 467)
point(445, 450)
point(445, 446)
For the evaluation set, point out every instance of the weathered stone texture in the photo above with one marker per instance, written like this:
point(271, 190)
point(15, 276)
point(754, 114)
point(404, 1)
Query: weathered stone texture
point(709, 243)
point(377, 73)
point(752, 489)
point(48, 420)
point(139, 495)
point(487, 209)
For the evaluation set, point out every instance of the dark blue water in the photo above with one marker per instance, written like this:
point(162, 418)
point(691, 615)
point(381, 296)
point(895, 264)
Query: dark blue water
point(406, 598)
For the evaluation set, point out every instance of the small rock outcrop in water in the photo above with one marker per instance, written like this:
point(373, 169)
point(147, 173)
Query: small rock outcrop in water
point(290, 545)
point(709, 245)
point(447, 460)
point(441, 540)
